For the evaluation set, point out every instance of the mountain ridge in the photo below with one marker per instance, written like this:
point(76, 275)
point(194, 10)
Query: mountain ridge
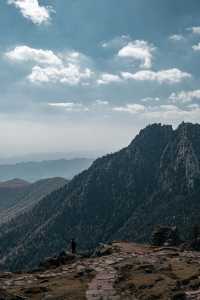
point(121, 196)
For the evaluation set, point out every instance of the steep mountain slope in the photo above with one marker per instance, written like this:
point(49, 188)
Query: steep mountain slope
point(33, 171)
point(18, 196)
point(10, 191)
point(122, 195)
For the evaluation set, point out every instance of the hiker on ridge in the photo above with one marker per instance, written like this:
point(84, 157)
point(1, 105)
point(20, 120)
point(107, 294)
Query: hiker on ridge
point(73, 246)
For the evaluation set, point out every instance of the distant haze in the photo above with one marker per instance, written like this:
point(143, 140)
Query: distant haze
point(46, 156)
point(33, 171)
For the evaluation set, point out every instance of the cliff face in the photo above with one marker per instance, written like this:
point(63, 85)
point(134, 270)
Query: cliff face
point(155, 180)
point(180, 160)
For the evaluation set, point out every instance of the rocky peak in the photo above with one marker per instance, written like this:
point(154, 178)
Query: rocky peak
point(186, 155)
point(183, 128)
point(188, 130)
point(153, 132)
point(151, 142)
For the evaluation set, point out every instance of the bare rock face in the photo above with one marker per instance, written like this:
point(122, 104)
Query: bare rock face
point(180, 160)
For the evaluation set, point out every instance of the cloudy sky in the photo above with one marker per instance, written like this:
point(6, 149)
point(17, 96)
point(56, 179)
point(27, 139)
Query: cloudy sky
point(87, 75)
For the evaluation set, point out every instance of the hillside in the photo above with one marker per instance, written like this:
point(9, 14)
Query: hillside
point(121, 196)
point(127, 271)
point(18, 196)
point(32, 171)
point(14, 183)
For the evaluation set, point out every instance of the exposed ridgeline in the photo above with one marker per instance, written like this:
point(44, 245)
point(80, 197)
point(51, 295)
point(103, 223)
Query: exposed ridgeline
point(155, 180)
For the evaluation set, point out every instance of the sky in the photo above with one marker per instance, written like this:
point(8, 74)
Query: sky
point(88, 75)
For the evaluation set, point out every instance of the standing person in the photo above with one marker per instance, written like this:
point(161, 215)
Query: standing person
point(73, 246)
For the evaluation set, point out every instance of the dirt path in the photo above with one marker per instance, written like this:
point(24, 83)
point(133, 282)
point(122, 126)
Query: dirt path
point(102, 285)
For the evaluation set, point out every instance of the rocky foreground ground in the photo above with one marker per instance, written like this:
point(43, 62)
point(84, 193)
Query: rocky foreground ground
point(123, 271)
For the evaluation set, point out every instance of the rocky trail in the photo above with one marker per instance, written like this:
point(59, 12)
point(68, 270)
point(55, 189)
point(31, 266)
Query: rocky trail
point(121, 271)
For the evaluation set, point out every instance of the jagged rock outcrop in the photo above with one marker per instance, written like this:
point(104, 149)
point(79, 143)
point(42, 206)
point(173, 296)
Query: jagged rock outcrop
point(155, 180)
point(56, 261)
point(102, 250)
point(165, 236)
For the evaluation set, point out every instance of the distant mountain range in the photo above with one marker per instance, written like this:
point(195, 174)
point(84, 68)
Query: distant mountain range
point(4, 160)
point(32, 171)
point(18, 196)
point(155, 180)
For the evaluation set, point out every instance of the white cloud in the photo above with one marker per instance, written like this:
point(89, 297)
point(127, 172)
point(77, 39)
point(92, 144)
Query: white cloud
point(69, 106)
point(172, 113)
point(167, 113)
point(145, 110)
point(66, 68)
point(185, 96)
point(130, 108)
point(32, 10)
point(79, 107)
point(193, 106)
point(176, 37)
point(196, 47)
point(169, 107)
point(101, 102)
point(107, 78)
point(117, 42)
point(150, 99)
point(71, 74)
point(140, 51)
point(195, 29)
point(170, 76)
point(24, 54)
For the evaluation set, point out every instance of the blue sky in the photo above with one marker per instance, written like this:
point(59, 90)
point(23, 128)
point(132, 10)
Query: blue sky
point(89, 74)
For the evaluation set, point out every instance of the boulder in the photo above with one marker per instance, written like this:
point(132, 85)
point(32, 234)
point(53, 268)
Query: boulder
point(193, 245)
point(178, 296)
point(103, 250)
point(56, 261)
point(165, 236)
